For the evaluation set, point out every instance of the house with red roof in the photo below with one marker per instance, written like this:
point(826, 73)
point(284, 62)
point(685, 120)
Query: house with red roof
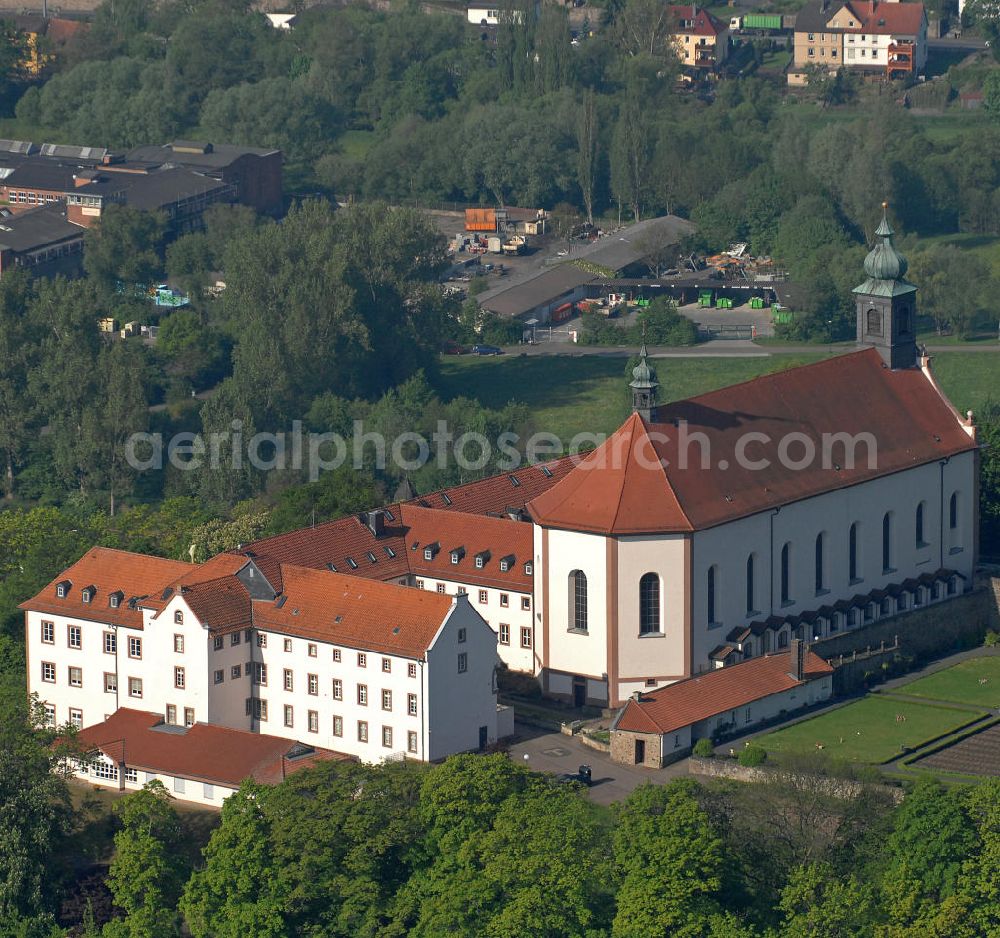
point(700, 39)
point(659, 727)
point(886, 38)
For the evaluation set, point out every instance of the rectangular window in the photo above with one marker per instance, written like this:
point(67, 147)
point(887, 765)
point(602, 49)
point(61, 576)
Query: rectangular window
point(363, 695)
point(504, 633)
point(504, 600)
point(483, 596)
point(440, 587)
point(289, 715)
point(189, 716)
point(74, 636)
point(134, 647)
point(338, 726)
point(411, 669)
point(463, 663)
point(411, 741)
point(179, 644)
point(525, 636)
point(76, 718)
point(386, 699)
point(234, 639)
point(247, 634)
point(76, 677)
point(219, 676)
point(336, 655)
point(261, 640)
point(362, 731)
point(362, 660)
point(246, 668)
point(386, 665)
point(288, 644)
point(313, 721)
point(420, 584)
point(217, 643)
point(179, 678)
point(461, 635)
point(207, 791)
point(48, 672)
point(260, 674)
point(50, 715)
point(110, 682)
point(105, 770)
point(172, 714)
point(338, 689)
point(132, 775)
point(178, 785)
point(312, 650)
point(235, 672)
point(526, 603)
point(135, 687)
point(289, 677)
point(49, 632)
point(387, 736)
point(312, 682)
point(411, 704)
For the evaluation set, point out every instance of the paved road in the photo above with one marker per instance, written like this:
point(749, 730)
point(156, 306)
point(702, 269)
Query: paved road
point(553, 752)
point(962, 44)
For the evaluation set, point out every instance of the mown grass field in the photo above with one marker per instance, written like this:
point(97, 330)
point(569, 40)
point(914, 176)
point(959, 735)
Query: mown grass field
point(574, 394)
point(867, 731)
point(960, 683)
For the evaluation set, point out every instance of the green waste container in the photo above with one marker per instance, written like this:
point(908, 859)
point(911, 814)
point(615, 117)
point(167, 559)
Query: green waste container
point(705, 298)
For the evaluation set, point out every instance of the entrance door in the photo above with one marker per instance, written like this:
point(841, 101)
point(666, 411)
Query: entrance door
point(483, 737)
point(640, 752)
point(579, 691)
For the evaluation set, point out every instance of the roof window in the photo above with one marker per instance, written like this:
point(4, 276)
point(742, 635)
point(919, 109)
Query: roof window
point(445, 498)
point(352, 563)
point(515, 481)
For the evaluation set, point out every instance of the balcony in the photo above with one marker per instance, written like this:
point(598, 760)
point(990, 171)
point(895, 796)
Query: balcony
point(900, 59)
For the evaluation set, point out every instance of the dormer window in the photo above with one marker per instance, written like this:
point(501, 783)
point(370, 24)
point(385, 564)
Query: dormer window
point(62, 589)
point(115, 599)
point(430, 550)
point(87, 594)
point(457, 554)
point(506, 563)
point(178, 617)
point(479, 561)
point(528, 568)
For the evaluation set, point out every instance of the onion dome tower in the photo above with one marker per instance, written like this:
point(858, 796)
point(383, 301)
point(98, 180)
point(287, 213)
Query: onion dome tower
point(644, 385)
point(886, 302)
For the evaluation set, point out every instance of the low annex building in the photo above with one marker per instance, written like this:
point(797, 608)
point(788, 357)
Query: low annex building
point(201, 764)
point(659, 727)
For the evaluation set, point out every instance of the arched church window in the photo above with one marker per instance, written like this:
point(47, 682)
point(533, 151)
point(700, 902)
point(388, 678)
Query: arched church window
point(874, 322)
point(649, 604)
point(578, 600)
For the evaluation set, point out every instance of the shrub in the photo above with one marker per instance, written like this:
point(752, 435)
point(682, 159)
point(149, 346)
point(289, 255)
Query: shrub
point(752, 756)
point(704, 748)
point(992, 639)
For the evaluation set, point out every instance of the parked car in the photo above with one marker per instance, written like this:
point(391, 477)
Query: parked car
point(486, 350)
point(453, 348)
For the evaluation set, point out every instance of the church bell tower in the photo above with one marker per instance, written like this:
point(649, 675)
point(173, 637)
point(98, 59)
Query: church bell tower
point(643, 386)
point(886, 302)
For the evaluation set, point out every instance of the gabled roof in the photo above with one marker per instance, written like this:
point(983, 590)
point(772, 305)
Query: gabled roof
point(135, 575)
point(855, 394)
point(707, 695)
point(698, 22)
point(890, 17)
point(205, 752)
point(358, 613)
point(221, 565)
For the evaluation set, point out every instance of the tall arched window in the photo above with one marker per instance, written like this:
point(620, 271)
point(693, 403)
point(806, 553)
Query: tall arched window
point(786, 561)
point(712, 593)
point(919, 526)
point(874, 324)
point(852, 553)
point(751, 584)
point(820, 562)
point(578, 600)
point(887, 542)
point(953, 512)
point(649, 604)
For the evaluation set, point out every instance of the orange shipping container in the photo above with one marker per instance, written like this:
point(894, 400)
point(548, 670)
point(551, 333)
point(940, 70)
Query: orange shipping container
point(480, 219)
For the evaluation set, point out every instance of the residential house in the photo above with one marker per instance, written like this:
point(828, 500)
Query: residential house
point(700, 38)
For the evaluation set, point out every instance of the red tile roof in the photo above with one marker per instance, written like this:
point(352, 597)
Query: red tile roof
point(135, 575)
point(358, 613)
point(911, 422)
point(205, 752)
point(61, 30)
point(491, 538)
point(888, 18)
point(697, 22)
point(707, 695)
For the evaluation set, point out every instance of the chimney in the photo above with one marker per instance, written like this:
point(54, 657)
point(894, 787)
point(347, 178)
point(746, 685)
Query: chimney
point(797, 654)
point(637, 696)
point(375, 520)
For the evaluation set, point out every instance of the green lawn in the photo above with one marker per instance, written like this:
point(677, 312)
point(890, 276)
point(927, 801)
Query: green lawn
point(570, 394)
point(573, 394)
point(960, 683)
point(867, 731)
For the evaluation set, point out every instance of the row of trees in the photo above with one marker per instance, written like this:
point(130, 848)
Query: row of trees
point(481, 846)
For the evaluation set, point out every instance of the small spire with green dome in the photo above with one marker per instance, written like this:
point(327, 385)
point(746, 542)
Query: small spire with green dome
point(643, 385)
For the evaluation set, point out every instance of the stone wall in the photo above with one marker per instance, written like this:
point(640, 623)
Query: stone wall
point(926, 633)
point(623, 748)
point(833, 787)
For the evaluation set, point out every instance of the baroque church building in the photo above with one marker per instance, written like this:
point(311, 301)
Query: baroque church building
point(702, 533)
